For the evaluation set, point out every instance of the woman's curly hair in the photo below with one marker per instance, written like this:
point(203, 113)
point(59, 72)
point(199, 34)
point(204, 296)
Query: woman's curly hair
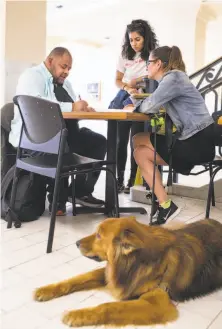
point(145, 30)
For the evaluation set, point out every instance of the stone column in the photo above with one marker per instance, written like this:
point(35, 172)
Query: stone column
point(204, 16)
point(25, 39)
point(2, 52)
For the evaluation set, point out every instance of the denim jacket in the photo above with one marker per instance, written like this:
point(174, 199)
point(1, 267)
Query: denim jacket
point(182, 101)
point(121, 100)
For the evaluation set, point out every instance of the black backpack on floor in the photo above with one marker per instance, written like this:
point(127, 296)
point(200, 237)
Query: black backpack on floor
point(30, 197)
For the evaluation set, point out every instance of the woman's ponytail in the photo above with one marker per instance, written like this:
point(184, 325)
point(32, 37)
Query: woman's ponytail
point(171, 58)
point(175, 60)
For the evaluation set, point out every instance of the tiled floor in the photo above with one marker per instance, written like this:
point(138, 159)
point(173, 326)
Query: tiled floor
point(25, 266)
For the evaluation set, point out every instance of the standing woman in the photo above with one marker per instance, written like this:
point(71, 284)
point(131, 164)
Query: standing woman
point(139, 41)
point(188, 112)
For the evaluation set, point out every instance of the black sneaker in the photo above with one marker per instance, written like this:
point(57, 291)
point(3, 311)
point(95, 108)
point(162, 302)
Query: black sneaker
point(166, 215)
point(90, 201)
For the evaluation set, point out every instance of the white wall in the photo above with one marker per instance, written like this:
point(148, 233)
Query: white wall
point(178, 26)
point(173, 21)
point(91, 64)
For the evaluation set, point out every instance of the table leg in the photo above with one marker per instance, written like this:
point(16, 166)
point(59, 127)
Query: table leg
point(109, 208)
point(112, 156)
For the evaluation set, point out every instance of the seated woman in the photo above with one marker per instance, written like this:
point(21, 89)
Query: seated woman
point(188, 112)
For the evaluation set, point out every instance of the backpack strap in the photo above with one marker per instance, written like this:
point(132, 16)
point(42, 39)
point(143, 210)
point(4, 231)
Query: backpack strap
point(7, 180)
point(8, 214)
point(11, 216)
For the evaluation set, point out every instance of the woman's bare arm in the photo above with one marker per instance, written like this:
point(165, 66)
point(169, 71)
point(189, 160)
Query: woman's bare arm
point(122, 85)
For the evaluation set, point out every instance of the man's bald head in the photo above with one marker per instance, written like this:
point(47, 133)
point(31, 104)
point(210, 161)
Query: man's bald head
point(59, 52)
point(59, 63)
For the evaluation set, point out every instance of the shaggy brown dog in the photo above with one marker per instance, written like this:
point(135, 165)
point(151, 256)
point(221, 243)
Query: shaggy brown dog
point(147, 267)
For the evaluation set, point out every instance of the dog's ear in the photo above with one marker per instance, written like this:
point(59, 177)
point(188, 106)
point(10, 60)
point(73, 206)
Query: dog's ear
point(129, 241)
point(127, 232)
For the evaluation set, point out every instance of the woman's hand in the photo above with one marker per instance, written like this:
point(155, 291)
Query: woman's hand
point(133, 83)
point(131, 90)
point(90, 109)
point(129, 107)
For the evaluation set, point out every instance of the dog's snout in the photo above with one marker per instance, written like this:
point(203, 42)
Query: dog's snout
point(78, 243)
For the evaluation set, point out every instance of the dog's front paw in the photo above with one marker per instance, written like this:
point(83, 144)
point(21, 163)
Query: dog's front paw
point(72, 319)
point(45, 293)
point(78, 318)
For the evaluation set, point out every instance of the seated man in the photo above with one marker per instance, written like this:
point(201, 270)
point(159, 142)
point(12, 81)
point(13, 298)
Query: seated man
point(48, 80)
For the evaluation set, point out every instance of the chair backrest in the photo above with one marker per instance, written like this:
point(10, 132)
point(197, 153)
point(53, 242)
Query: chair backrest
point(150, 85)
point(43, 124)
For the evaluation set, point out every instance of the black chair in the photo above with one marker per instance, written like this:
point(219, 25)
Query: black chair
point(216, 165)
point(44, 130)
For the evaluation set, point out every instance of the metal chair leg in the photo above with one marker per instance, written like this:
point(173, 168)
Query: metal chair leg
point(213, 194)
point(170, 175)
point(13, 196)
point(73, 195)
point(53, 215)
point(115, 192)
point(210, 191)
point(154, 179)
point(160, 168)
point(175, 176)
point(116, 195)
